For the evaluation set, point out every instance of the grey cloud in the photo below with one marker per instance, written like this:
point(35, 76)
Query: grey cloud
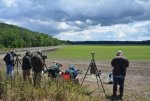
point(101, 11)
point(77, 15)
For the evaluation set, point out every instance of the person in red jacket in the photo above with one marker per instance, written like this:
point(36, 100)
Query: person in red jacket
point(119, 64)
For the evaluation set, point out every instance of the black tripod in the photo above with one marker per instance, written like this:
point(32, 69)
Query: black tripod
point(17, 62)
point(94, 70)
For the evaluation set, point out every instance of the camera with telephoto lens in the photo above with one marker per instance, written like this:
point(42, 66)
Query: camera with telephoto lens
point(17, 55)
point(44, 57)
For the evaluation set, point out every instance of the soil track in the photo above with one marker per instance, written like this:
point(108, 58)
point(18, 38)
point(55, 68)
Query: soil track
point(137, 82)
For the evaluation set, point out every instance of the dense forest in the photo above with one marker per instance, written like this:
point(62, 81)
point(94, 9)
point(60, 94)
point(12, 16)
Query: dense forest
point(12, 36)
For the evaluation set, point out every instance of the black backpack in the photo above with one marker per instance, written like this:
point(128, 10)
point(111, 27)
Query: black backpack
point(37, 63)
point(7, 58)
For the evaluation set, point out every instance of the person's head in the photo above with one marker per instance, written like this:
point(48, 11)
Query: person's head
point(39, 52)
point(72, 67)
point(55, 62)
point(28, 53)
point(12, 52)
point(119, 53)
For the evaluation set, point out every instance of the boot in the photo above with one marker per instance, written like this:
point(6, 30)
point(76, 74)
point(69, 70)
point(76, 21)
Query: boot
point(121, 95)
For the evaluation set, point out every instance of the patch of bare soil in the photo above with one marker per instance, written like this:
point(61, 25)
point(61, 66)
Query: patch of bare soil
point(137, 81)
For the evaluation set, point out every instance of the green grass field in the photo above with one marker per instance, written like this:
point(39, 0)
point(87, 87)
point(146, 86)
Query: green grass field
point(82, 52)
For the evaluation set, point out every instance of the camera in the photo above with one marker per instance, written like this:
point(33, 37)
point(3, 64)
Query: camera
point(44, 57)
point(17, 55)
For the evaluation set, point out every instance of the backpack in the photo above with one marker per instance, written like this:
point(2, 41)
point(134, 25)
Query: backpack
point(37, 63)
point(7, 58)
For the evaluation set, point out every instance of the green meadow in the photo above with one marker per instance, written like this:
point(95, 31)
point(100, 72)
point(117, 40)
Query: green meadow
point(102, 52)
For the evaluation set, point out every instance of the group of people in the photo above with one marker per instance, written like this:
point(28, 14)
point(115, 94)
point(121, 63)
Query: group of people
point(36, 62)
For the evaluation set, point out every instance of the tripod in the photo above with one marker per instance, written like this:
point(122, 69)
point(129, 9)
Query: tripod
point(17, 62)
point(94, 70)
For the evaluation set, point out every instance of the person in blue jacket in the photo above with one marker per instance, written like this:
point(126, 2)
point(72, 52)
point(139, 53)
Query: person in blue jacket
point(10, 63)
point(72, 71)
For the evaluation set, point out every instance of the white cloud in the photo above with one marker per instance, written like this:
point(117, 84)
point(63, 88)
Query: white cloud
point(10, 3)
point(118, 32)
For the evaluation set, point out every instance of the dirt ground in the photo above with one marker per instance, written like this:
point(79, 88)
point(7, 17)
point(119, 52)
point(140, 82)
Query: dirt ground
point(137, 81)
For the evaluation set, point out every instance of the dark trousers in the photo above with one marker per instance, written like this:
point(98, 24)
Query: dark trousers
point(118, 80)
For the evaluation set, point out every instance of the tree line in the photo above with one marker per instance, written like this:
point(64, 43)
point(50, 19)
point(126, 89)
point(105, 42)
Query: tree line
point(146, 42)
point(12, 36)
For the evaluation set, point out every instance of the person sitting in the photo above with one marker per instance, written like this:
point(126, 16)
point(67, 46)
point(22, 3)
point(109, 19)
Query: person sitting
point(72, 71)
point(54, 70)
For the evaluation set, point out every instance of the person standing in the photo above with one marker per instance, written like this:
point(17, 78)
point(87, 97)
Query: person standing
point(10, 63)
point(37, 65)
point(119, 64)
point(26, 66)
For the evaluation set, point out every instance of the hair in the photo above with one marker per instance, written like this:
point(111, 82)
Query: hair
point(28, 52)
point(39, 52)
point(119, 53)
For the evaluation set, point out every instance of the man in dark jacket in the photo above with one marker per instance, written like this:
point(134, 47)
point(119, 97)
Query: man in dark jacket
point(9, 60)
point(119, 64)
point(38, 65)
point(26, 66)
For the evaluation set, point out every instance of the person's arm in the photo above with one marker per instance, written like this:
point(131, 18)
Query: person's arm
point(41, 62)
point(113, 63)
point(127, 63)
point(12, 60)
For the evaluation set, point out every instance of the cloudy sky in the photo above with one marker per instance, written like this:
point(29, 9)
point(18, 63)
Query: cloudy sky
point(81, 20)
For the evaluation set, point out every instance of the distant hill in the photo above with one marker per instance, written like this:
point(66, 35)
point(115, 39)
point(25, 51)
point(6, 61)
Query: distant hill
point(16, 37)
point(147, 42)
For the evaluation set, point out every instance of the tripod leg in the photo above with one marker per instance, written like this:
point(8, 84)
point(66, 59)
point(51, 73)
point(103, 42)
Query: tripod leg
point(17, 64)
point(85, 75)
point(97, 82)
point(98, 85)
point(20, 62)
point(102, 86)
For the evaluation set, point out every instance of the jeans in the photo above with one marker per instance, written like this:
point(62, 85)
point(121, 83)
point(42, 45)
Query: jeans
point(118, 80)
point(10, 70)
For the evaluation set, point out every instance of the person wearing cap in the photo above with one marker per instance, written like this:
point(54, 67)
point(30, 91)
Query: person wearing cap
point(54, 70)
point(10, 63)
point(119, 64)
point(72, 71)
point(26, 66)
point(37, 64)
